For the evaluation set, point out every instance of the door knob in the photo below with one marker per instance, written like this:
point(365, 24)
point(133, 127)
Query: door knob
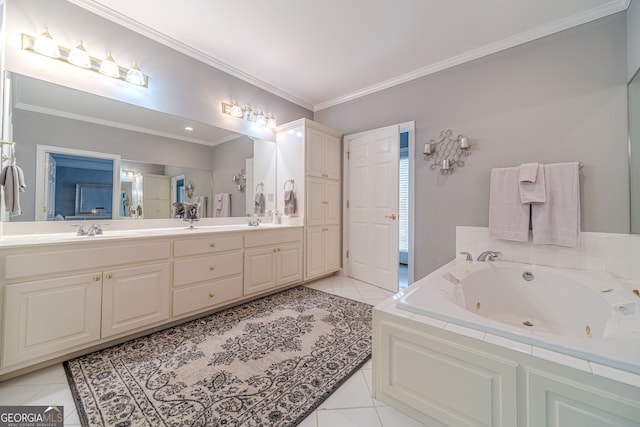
point(392, 216)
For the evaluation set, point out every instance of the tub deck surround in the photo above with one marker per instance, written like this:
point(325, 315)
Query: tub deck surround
point(63, 294)
point(590, 316)
point(478, 366)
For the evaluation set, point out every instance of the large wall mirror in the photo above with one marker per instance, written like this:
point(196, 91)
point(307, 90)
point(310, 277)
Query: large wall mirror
point(634, 151)
point(86, 156)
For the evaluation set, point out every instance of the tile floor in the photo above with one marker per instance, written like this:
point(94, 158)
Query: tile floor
point(349, 406)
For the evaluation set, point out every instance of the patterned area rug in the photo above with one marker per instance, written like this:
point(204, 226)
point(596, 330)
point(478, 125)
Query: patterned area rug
point(269, 362)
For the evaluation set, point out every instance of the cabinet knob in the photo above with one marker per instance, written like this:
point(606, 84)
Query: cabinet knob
point(211, 295)
point(96, 278)
point(275, 250)
point(109, 276)
point(212, 267)
point(212, 245)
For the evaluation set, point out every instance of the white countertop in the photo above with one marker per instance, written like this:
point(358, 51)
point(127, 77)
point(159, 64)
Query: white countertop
point(21, 240)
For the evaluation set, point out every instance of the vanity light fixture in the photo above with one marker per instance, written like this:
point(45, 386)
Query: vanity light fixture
point(447, 152)
point(79, 57)
point(108, 66)
point(246, 113)
point(45, 45)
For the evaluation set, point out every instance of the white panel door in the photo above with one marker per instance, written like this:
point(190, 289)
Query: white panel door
point(373, 206)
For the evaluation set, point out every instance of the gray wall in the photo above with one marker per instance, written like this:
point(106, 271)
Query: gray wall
point(178, 84)
point(560, 98)
point(633, 37)
point(226, 160)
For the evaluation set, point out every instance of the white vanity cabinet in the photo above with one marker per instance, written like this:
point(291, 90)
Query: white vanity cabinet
point(321, 156)
point(272, 259)
point(207, 272)
point(60, 298)
point(43, 317)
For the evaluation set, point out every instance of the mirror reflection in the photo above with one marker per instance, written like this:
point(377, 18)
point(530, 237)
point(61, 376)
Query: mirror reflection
point(90, 157)
point(634, 151)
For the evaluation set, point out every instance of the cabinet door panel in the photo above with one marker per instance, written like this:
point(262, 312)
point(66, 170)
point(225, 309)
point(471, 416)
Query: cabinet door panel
point(134, 297)
point(332, 254)
point(49, 316)
point(289, 264)
point(314, 155)
point(332, 157)
point(314, 214)
point(332, 206)
point(259, 270)
point(314, 254)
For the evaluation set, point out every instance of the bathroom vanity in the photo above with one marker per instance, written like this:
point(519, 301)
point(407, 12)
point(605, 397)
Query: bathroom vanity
point(65, 295)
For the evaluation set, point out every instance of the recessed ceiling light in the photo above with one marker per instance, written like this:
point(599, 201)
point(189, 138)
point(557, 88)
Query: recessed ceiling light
point(188, 128)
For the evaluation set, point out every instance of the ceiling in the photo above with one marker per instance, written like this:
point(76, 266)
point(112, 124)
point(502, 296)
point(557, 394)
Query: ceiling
point(321, 53)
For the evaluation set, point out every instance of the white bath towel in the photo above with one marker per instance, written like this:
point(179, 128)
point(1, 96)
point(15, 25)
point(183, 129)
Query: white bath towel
point(531, 180)
point(289, 202)
point(508, 217)
point(259, 203)
point(557, 221)
point(223, 205)
point(12, 178)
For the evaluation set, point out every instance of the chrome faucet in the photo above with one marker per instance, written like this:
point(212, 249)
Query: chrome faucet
point(468, 256)
point(254, 222)
point(94, 230)
point(490, 255)
point(82, 231)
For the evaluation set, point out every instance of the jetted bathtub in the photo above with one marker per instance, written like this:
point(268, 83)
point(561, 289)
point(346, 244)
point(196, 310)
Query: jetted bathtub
point(586, 314)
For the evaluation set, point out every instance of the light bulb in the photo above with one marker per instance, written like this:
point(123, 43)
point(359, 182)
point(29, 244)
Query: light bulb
point(260, 118)
point(108, 66)
point(79, 56)
point(236, 110)
point(45, 45)
point(271, 121)
point(248, 113)
point(134, 75)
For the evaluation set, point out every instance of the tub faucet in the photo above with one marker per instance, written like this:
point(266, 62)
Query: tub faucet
point(490, 255)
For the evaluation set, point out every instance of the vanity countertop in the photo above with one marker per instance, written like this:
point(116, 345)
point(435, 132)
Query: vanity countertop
point(25, 240)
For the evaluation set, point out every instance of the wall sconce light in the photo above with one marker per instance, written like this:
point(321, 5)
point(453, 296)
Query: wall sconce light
point(246, 113)
point(45, 45)
point(447, 152)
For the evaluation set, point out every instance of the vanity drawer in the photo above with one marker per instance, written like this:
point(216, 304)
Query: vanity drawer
point(207, 245)
point(206, 268)
point(207, 295)
point(272, 237)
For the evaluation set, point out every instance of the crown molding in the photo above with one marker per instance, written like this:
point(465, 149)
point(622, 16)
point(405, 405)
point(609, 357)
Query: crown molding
point(133, 25)
point(118, 125)
point(607, 9)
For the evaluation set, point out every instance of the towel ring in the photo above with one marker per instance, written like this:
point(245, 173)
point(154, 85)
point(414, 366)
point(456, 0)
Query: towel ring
point(260, 188)
point(289, 181)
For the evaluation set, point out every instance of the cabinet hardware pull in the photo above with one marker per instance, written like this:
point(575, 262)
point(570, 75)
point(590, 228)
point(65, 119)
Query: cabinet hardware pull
point(275, 250)
point(212, 245)
point(211, 295)
point(96, 278)
point(212, 267)
point(392, 216)
point(109, 276)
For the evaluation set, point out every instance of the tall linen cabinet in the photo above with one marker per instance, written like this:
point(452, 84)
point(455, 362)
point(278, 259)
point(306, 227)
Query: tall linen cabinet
point(309, 163)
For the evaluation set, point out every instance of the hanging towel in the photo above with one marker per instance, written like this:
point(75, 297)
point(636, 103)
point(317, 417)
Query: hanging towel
point(258, 204)
point(531, 179)
point(222, 205)
point(508, 217)
point(289, 202)
point(12, 178)
point(557, 221)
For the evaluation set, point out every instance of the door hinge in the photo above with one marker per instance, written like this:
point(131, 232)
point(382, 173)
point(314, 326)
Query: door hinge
point(347, 253)
point(348, 155)
point(347, 204)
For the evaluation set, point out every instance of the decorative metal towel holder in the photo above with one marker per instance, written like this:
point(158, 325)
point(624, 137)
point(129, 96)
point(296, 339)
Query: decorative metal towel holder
point(447, 152)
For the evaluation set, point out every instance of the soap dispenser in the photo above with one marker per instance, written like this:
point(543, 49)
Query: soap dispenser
point(276, 217)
